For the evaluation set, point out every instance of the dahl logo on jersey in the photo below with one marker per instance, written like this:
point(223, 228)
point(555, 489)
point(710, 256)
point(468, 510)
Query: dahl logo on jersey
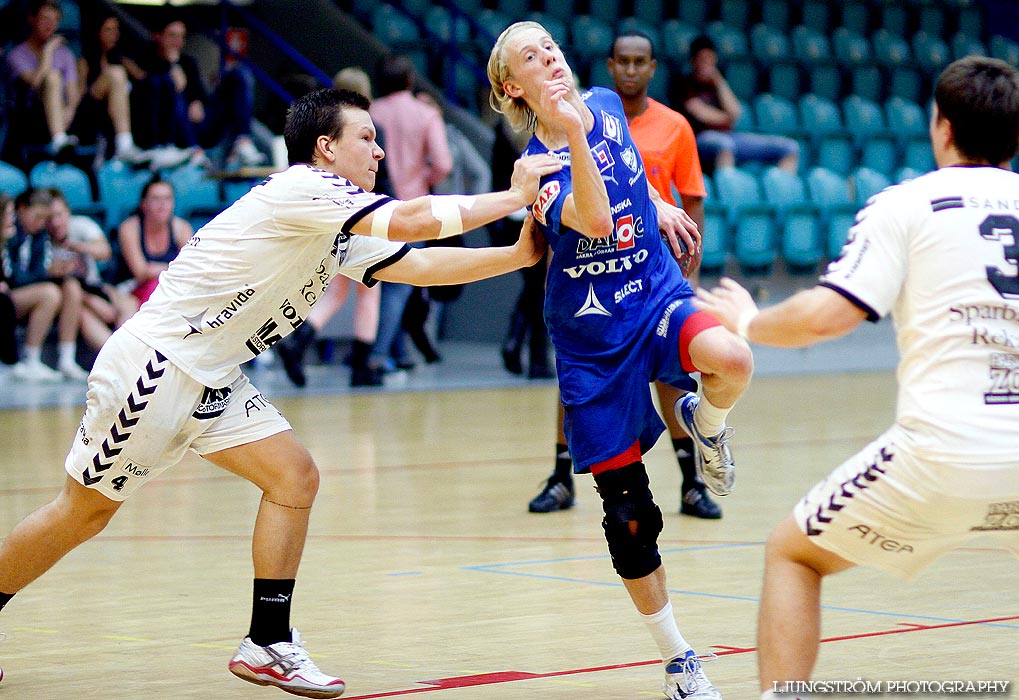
point(546, 196)
point(213, 403)
point(612, 127)
point(629, 157)
point(195, 322)
point(591, 305)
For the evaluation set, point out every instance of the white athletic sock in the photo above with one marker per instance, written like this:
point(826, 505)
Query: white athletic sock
point(59, 139)
point(665, 632)
point(33, 355)
point(123, 142)
point(708, 418)
point(67, 352)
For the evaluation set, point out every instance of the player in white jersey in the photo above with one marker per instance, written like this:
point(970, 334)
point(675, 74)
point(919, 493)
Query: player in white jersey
point(939, 253)
point(169, 379)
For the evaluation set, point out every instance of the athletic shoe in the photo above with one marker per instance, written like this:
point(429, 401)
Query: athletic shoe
point(169, 157)
point(285, 665)
point(71, 370)
point(132, 155)
point(712, 455)
point(554, 496)
point(698, 503)
point(366, 376)
point(685, 679)
point(292, 349)
point(35, 372)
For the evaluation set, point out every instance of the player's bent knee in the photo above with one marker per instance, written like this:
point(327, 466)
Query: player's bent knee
point(632, 520)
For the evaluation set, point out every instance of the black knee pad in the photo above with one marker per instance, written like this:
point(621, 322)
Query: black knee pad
point(626, 498)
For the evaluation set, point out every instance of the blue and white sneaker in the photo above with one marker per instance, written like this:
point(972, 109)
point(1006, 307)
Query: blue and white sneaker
point(685, 679)
point(712, 455)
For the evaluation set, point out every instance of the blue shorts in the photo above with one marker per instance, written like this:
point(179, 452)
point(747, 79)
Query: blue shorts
point(608, 401)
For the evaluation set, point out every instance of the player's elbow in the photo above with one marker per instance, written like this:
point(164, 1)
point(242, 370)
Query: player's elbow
point(601, 227)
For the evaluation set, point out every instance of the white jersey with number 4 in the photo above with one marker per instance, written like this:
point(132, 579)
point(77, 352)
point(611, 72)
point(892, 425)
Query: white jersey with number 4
point(940, 253)
point(248, 277)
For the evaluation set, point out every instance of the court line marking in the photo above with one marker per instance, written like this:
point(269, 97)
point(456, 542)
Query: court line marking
point(498, 677)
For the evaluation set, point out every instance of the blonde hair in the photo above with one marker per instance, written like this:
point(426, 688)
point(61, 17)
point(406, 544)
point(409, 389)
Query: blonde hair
point(520, 116)
point(354, 79)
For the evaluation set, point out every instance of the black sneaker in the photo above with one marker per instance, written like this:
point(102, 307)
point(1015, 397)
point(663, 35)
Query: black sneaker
point(291, 351)
point(554, 496)
point(366, 376)
point(698, 503)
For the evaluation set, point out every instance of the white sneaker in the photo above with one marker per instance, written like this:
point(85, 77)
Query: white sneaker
point(35, 372)
point(132, 155)
point(685, 679)
point(167, 157)
point(245, 154)
point(71, 370)
point(285, 665)
point(712, 455)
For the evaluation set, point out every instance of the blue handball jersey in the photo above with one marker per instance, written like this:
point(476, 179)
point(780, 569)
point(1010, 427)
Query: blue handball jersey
point(604, 293)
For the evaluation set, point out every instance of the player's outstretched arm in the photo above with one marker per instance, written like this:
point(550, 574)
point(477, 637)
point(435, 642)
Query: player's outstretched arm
point(807, 317)
point(440, 265)
point(440, 216)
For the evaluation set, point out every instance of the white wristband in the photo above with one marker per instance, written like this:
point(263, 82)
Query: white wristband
point(743, 322)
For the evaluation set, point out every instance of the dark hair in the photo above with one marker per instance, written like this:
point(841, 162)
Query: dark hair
point(700, 43)
point(37, 5)
point(979, 97)
point(319, 113)
point(33, 196)
point(626, 34)
point(57, 195)
point(395, 73)
point(156, 179)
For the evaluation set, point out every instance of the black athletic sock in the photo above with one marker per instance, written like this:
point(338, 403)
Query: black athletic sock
point(5, 598)
point(563, 472)
point(360, 351)
point(270, 611)
point(683, 447)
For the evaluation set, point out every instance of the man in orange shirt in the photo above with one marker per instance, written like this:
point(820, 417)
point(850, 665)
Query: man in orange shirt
point(669, 150)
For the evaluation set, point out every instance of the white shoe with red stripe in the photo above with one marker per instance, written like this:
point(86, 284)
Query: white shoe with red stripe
point(285, 665)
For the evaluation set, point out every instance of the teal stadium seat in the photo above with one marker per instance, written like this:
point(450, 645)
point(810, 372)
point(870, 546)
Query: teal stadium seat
point(906, 82)
point(931, 53)
point(836, 152)
point(676, 38)
point(1004, 48)
point(590, 39)
point(394, 28)
point(810, 46)
point(918, 155)
point(932, 20)
point(890, 49)
point(830, 191)
point(867, 183)
point(863, 118)
point(798, 219)
point(855, 16)
point(12, 180)
point(971, 21)
point(605, 10)
point(563, 10)
point(775, 14)
point(751, 219)
point(714, 238)
point(652, 11)
point(735, 13)
point(775, 115)
point(441, 22)
point(966, 45)
point(556, 27)
point(894, 18)
point(784, 80)
point(197, 195)
point(693, 12)
point(513, 8)
point(880, 153)
point(825, 80)
point(816, 15)
point(120, 189)
point(72, 182)
point(906, 118)
point(492, 22)
point(819, 116)
point(851, 48)
point(730, 41)
point(741, 74)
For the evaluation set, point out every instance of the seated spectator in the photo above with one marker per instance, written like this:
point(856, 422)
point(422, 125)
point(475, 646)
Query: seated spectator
point(105, 72)
point(706, 100)
point(173, 110)
point(79, 244)
point(151, 238)
point(36, 293)
point(45, 86)
point(8, 314)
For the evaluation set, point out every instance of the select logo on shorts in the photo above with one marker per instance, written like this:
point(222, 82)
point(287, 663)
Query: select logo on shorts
point(546, 196)
point(214, 402)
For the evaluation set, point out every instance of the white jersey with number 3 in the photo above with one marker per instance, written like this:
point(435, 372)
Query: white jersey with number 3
point(940, 253)
point(248, 277)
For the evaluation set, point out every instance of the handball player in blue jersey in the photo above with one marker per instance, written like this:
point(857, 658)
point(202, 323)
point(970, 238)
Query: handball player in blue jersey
point(620, 315)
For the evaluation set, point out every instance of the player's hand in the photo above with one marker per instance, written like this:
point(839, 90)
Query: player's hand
point(681, 233)
point(531, 245)
point(527, 174)
point(554, 102)
point(727, 302)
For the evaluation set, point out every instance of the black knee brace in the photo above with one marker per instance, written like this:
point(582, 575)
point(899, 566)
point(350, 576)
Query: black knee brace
point(632, 521)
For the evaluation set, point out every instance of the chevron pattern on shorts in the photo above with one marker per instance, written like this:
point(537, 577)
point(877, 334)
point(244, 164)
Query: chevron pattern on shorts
point(860, 482)
point(128, 417)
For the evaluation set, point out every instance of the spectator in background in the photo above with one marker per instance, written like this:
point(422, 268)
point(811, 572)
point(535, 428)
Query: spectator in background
point(46, 88)
point(418, 159)
point(79, 244)
point(705, 98)
point(151, 238)
point(8, 313)
point(173, 110)
point(105, 72)
point(40, 294)
point(293, 348)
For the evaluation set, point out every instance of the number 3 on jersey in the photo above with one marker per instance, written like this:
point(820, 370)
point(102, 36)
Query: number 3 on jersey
point(1000, 228)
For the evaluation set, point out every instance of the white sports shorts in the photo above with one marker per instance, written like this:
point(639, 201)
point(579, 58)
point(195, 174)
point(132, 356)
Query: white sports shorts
point(886, 507)
point(142, 414)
